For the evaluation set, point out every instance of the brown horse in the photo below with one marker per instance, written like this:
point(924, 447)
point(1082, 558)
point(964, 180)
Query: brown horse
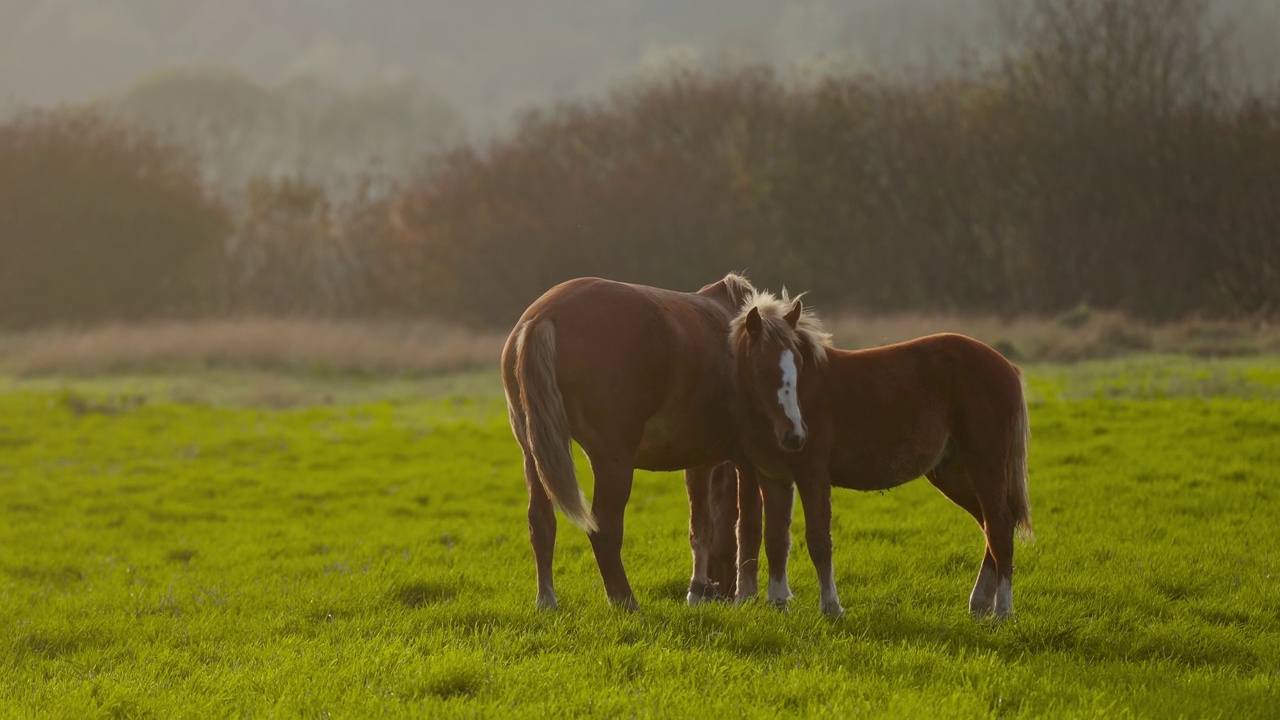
point(944, 406)
point(640, 377)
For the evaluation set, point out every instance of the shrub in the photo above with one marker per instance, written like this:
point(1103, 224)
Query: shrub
point(99, 221)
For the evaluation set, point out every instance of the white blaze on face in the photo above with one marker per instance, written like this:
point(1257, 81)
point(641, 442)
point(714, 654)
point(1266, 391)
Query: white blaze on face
point(788, 398)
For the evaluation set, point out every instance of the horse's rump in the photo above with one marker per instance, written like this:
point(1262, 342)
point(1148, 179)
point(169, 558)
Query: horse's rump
point(643, 370)
point(546, 428)
point(639, 377)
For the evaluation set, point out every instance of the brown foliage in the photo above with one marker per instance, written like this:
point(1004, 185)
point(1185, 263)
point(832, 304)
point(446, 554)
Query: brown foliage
point(652, 185)
point(98, 221)
point(1097, 165)
point(297, 253)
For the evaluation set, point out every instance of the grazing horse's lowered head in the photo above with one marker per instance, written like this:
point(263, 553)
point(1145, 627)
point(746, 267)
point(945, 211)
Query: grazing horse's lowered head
point(639, 377)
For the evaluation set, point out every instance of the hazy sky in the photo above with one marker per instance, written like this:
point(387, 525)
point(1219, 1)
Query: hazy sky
point(486, 57)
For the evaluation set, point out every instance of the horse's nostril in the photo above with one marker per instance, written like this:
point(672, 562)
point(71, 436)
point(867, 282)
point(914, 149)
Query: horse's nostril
point(792, 442)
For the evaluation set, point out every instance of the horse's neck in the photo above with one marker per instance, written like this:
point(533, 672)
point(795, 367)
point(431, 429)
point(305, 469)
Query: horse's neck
point(722, 295)
point(813, 385)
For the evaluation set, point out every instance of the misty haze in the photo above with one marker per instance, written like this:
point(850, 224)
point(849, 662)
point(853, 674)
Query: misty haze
point(339, 337)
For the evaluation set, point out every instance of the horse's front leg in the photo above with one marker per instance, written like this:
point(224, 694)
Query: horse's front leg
point(779, 498)
point(815, 499)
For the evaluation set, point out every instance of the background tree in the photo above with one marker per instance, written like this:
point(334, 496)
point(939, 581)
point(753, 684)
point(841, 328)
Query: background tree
point(99, 222)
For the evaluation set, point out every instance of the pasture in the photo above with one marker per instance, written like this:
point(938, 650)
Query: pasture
point(218, 543)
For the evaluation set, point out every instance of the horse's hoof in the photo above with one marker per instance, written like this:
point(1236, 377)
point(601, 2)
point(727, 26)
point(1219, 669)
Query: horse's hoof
point(778, 604)
point(695, 600)
point(628, 603)
point(832, 609)
point(547, 603)
point(700, 592)
point(980, 612)
point(744, 599)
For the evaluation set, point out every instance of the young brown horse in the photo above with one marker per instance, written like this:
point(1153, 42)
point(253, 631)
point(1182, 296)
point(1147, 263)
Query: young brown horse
point(640, 377)
point(944, 406)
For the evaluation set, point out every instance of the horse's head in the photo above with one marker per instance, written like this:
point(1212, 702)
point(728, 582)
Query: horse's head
point(774, 340)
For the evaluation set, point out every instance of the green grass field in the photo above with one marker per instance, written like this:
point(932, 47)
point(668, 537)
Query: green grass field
point(197, 546)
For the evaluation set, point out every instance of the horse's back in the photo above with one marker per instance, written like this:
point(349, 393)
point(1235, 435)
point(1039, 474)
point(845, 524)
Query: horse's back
point(981, 387)
point(923, 362)
point(972, 362)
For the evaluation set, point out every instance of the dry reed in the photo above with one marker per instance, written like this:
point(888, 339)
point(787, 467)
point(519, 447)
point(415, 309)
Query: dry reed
point(347, 347)
point(425, 348)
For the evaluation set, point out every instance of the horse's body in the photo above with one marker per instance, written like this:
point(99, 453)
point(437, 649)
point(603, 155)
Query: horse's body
point(640, 377)
point(947, 407)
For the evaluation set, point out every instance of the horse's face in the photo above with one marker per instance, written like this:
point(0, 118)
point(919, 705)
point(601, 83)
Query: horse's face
point(769, 369)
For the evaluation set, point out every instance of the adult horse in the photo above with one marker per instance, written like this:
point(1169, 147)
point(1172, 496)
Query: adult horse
point(640, 377)
point(944, 406)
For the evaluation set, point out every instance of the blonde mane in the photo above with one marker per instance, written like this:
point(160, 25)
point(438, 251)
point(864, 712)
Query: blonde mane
point(740, 289)
point(773, 310)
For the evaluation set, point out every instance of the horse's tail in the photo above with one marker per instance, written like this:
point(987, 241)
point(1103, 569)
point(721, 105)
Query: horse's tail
point(546, 423)
point(1019, 495)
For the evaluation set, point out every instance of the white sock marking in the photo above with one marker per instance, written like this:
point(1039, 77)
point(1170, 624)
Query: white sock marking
point(830, 600)
point(779, 590)
point(984, 590)
point(1004, 598)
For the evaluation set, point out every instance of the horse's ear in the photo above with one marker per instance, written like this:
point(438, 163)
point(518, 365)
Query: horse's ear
point(793, 316)
point(754, 324)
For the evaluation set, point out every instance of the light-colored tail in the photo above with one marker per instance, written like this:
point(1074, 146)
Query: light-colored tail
point(547, 424)
point(1019, 495)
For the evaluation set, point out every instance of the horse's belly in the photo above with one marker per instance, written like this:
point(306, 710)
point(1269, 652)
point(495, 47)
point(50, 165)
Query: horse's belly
point(886, 467)
point(868, 479)
point(675, 443)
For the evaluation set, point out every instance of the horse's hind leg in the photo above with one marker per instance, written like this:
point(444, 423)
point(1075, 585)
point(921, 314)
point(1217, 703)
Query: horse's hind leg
point(701, 533)
point(608, 505)
point(986, 473)
point(722, 569)
point(749, 534)
point(815, 500)
point(950, 478)
point(542, 533)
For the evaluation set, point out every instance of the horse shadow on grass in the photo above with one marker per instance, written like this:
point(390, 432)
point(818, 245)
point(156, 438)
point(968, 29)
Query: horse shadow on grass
point(1087, 634)
point(1086, 637)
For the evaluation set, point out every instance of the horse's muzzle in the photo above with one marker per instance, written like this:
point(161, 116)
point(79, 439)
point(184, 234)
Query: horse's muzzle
point(791, 442)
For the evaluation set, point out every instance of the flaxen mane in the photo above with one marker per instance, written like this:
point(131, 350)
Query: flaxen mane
point(740, 289)
point(773, 310)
